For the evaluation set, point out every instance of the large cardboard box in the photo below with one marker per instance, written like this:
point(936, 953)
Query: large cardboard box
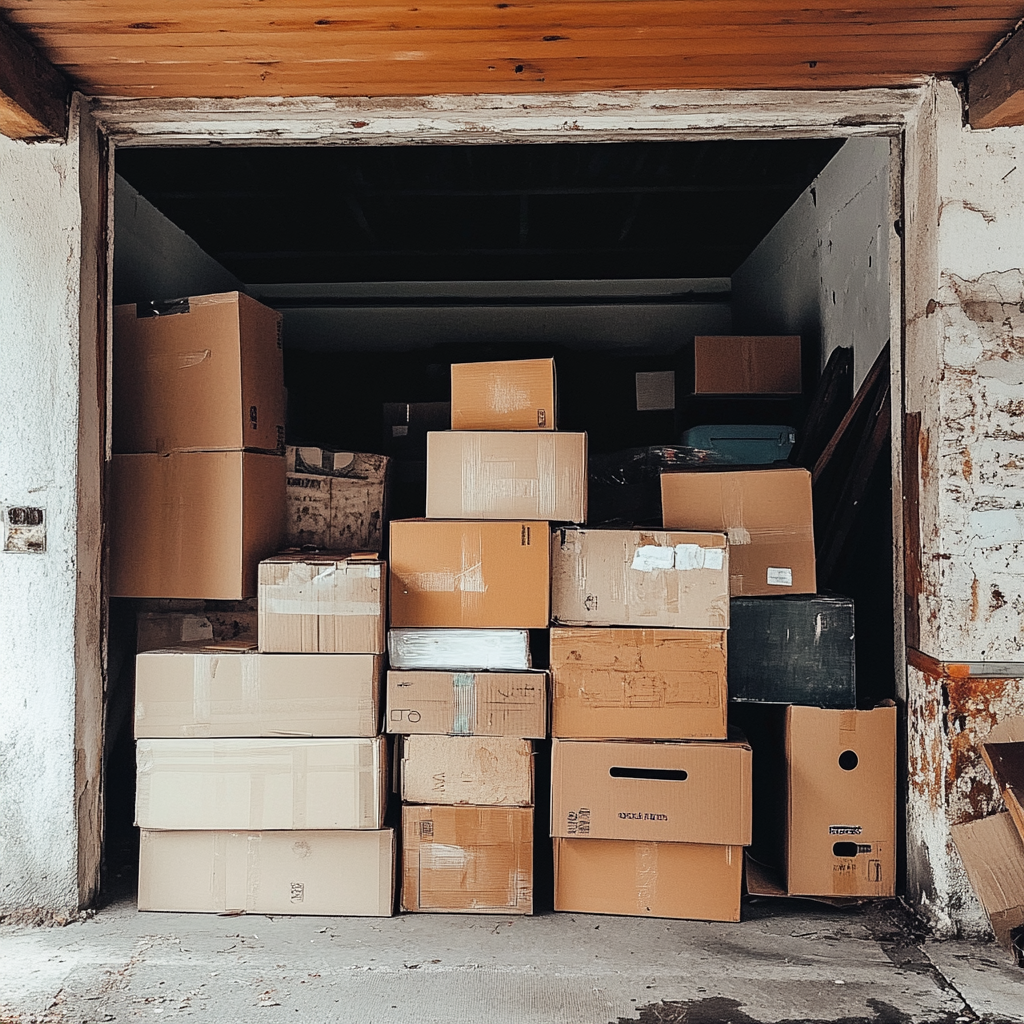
point(765, 513)
point(349, 873)
point(638, 683)
point(479, 474)
point(468, 703)
point(639, 578)
point(256, 784)
point(327, 602)
point(616, 876)
point(517, 394)
point(460, 650)
point(470, 574)
point(688, 792)
point(467, 860)
point(206, 372)
point(486, 770)
point(193, 524)
point(730, 365)
point(190, 691)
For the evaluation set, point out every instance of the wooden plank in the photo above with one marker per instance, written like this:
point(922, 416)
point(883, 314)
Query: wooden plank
point(829, 404)
point(912, 576)
point(33, 94)
point(995, 89)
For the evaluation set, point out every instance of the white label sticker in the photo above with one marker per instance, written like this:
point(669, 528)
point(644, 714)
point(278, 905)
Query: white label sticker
point(689, 556)
point(714, 558)
point(650, 557)
point(780, 577)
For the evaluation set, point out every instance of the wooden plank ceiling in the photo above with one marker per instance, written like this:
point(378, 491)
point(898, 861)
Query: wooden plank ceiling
point(225, 48)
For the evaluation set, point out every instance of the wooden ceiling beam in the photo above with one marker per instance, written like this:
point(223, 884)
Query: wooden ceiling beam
point(33, 93)
point(995, 88)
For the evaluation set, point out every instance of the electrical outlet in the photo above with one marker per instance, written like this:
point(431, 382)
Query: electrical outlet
point(25, 529)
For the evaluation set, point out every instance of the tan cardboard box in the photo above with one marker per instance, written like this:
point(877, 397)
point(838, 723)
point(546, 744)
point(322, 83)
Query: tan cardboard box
point(190, 691)
point(324, 602)
point(337, 873)
point(467, 860)
point(470, 574)
point(193, 524)
point(765, 513)
point(486, 770)
point(507, 475)
point(468, 703)
point(690, 792)
point(730, 365)
point(208, 373)
point(638, 683)
point(616, 876)
point(255, 784)
point(517, 394)
point(639, 578)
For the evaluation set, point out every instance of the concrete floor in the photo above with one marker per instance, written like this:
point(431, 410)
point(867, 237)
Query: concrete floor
point(787, 961)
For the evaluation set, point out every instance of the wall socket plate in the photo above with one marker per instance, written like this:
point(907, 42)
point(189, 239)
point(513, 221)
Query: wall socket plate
point(24, 529)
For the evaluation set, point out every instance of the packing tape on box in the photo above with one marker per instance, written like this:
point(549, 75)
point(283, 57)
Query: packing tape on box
point(297, 601)
point(645, 867)
point(202, 685)
point(464, 704)
point(236, 871)
point(469, 580)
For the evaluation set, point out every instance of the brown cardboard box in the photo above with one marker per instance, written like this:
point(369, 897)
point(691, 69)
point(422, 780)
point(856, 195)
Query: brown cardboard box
point(327, 603)
point(468, 703)
point(207, 373)
point(616, 876)
point(638, 683)
point(690, 792)
point(514, 394)
point(467, 860)
point(765, 513)
point(732, 365)
point(336, 500)
point(255, 784)
point(639, 578)
point(479, 474)
point(193, 524)
point(310, 872)
point(487, 770)
point(470, 574)
point(187, 692)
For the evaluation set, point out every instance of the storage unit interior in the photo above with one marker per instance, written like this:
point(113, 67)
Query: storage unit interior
point(390, 263)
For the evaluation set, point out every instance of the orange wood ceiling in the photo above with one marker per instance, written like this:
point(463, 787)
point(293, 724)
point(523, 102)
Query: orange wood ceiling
point(225, 48)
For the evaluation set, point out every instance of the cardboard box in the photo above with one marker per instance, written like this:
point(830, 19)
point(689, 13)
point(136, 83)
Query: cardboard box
point(639, 578)
point(690, 792)
point(470, 574)
point(206, 373)
point(507, 475)
point(327, 603)
point(349, 873)
point(468, 703)
point(638, 683)
point(1003, 753)
point(680, 880)
point(730, 365)
point(193, 524)
point(765, 513)
point(256, 784)
point(188, 692)
point(467, 860)
point(517, 394)
point(486, 770)
point(336, 500)
point(460, 650)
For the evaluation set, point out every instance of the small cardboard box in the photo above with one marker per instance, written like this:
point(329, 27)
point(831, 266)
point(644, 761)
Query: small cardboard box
point(202, 373)
point(256, 784)
point(467, 860)
point(468, 703)
point(193, 524)
point(690, 792)
point(470, 574)
point(336, 500)
point(1003, 753)
point(190, 691)
point(460, 650)
point(765, 513)
point(485, 770)
point(680, 880)
point(638, 683)
point(639, 578)
point(479, 474)
point(327, 603)
point(517, 394)
point(730, 365)
point(336, 873)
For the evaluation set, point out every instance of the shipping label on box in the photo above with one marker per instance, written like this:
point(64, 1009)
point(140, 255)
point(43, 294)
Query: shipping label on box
point(506, 395)
point(460, 650)
point(495, 770)
point(470, 574)
point(639, 578)
point(467, 860)
point(638, 683)
point(731, 365)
